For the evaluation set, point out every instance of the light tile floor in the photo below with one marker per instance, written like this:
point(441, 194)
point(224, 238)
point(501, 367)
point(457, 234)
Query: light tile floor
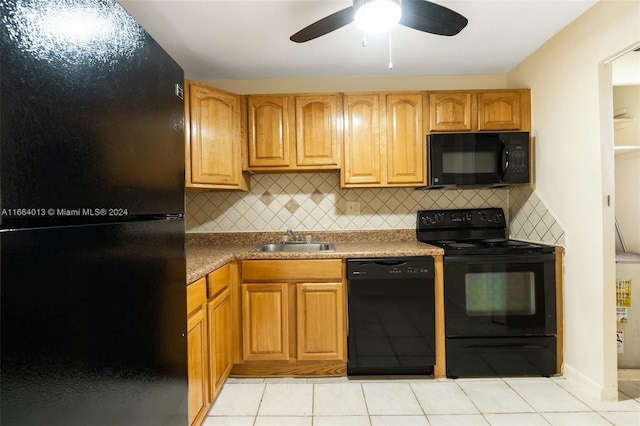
point(419, 402)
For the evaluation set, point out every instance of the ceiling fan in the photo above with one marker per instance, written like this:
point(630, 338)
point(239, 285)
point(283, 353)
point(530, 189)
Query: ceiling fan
point(421, 15)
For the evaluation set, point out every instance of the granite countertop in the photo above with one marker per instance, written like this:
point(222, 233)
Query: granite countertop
point(208, 252)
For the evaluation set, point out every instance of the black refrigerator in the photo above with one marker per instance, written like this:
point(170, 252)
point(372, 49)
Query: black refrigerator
point(92, 233)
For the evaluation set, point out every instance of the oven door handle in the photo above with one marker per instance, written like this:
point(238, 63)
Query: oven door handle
point(525, 345)
point(497, 258)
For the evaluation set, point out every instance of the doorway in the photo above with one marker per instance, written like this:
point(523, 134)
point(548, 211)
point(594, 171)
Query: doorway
point(626, 123)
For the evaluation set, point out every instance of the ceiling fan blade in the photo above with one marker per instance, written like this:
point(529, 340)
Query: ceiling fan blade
point(432, 18)
point(325, 25)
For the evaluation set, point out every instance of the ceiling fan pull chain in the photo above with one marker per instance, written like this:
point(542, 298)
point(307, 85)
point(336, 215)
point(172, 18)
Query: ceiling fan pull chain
point(390, 61)
point(364, 39)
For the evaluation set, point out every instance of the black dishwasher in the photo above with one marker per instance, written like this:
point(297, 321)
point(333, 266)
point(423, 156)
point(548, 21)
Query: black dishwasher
point(391, 316)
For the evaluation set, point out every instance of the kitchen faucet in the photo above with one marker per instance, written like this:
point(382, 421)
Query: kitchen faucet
point(293, 235)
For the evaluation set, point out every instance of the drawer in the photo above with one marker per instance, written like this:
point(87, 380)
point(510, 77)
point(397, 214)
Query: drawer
point(218, 280)
point(292, 270)
point(196, 294)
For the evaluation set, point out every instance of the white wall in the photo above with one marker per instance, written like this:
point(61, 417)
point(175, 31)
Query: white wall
point(361, 84)
point(572, 124)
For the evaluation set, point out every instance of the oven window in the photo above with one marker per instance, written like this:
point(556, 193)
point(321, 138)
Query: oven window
point(469, 162)
point(500, 293)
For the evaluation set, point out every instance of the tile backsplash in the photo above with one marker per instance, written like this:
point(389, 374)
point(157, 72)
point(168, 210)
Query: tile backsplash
point(315, 201)
point(531, 220)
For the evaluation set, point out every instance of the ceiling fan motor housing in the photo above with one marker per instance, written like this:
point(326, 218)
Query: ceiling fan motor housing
point(377, 16)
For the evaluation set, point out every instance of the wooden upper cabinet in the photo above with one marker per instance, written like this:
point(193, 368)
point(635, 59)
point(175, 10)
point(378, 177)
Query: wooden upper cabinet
point(405, 139)
point(383, 140)
point(317, 130)
point(269, 130)
point(450, 111)
point(213, 139)
point(479, 110)
point(293, 132)
point(499, 111)
point(362, 144)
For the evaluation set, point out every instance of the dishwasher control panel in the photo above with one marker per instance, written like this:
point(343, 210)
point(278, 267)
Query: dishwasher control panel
point(390, 267)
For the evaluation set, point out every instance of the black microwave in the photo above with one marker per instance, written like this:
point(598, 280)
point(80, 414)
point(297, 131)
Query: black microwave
point(477, 159)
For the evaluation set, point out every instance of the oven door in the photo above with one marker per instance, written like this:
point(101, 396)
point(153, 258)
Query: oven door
point(500, 295)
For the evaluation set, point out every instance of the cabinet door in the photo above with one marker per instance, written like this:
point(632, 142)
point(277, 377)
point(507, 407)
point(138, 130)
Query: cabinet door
point(197, 365)
point(498, 110)
point(265, 321)
point(219, 316)
point(361, 140)
point(450, 112)
point(269, 131)
point(320, 321)
point(316, 131)
point(215, 139)
point(405, 139)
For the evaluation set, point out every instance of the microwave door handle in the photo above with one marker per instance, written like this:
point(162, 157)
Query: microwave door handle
point(504, 161)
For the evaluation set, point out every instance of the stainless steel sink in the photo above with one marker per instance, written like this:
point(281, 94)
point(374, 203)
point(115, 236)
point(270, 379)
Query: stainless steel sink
point(294, 246)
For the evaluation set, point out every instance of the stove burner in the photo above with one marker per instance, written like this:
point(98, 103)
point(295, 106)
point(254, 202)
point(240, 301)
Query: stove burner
point(460, 245)
point(495, 241)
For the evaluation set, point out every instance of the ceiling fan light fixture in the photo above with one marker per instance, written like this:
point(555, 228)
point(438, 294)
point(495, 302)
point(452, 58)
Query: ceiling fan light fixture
point(377, 16)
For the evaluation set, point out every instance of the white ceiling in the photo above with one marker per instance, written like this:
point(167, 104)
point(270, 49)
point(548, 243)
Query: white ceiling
point(242, 39)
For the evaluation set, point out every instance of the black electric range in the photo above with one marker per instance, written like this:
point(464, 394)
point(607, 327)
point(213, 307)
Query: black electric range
point(471, 231)
point(499, 295)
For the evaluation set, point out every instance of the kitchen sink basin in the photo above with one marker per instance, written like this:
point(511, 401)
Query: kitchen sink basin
point(295, 246)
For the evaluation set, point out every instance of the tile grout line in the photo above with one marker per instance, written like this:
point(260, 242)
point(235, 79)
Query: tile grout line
point(313, 401)
point(413, 392)
point(366, 404)
point(593, 410)
point(470, 399)
point(255, 418)
point(520, 396)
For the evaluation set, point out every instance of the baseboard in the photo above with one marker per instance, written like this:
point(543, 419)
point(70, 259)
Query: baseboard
point(588, 386)
point(630, 374)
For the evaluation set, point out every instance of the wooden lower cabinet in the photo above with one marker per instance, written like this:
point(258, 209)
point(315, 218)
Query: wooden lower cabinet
point(197, 352)
point(220, 338)
point(320, 321)
point(209, 340)
point(265, 321)
point(293, 318)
